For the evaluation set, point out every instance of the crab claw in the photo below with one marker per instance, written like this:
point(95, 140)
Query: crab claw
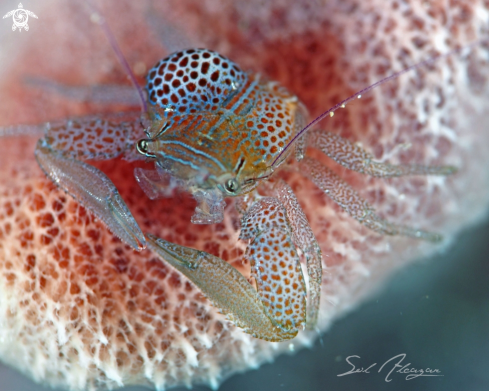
point(224, 286)
point(93, 189)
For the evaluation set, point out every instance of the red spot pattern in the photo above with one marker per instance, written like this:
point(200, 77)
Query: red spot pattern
point(193, 80)
point(275, 264)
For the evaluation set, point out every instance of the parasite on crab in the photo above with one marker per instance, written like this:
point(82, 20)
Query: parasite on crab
point(217, 131)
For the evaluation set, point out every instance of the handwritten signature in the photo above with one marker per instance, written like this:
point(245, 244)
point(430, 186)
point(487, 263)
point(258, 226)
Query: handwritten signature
point(397, 367)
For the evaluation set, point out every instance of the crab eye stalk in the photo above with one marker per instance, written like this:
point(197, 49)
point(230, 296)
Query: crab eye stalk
point(142, 147)
point(231, 186)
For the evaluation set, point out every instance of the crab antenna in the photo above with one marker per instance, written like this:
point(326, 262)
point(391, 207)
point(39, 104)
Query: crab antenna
point(358, 94)
point(97, 17)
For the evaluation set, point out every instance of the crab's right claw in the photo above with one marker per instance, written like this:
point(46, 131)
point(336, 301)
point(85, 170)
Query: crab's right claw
point(224, 286)
point(94, 190)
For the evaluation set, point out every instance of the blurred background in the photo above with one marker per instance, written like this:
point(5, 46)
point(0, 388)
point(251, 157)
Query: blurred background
point(435, 311)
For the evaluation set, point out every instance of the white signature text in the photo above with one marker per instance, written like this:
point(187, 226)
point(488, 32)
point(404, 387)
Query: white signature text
point(392, 365)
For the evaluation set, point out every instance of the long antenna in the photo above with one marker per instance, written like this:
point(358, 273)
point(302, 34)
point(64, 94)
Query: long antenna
point(96, 17)
point(359, 94)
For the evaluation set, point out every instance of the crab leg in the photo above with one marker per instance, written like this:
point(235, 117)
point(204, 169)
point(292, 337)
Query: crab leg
point(57, 153)
point(341, 193)
point(224, 286)
point(101, 94)
point(357, 159)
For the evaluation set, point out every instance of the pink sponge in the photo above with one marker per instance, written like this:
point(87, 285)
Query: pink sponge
point(79, 309)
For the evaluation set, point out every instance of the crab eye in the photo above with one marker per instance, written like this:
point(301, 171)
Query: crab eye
point(143, 146)
point(231, 186)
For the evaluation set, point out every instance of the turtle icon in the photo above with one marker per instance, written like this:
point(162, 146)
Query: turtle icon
point(20, 17)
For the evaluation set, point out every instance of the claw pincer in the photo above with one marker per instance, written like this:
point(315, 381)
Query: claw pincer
point(224, 286)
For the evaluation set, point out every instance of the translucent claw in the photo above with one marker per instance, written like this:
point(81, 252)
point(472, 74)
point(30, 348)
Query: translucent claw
point(94, 190)
point(224, 286)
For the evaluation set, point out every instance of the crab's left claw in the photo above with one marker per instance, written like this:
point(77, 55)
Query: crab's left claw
point(94, 190)
point(225, 287)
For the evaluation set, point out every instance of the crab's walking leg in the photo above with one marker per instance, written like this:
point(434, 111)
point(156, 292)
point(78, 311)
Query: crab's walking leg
point(304, 239)
point(58, 153)
point(100, 94)
point(275, 264)
point(357, 159)
point(224, 286)
point(341, 193)
point(21, 130)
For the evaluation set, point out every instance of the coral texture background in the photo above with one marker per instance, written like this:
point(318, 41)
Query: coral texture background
point(80, 309)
